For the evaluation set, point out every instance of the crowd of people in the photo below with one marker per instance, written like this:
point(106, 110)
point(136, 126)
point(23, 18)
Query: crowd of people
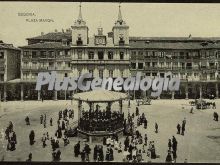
point(101, 120)
point(134, 147)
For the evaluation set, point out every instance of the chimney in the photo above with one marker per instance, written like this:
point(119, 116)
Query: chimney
point(42, 33)
point(56, 31)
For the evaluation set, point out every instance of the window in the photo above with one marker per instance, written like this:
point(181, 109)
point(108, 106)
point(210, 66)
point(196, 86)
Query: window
point(34, 75)
point(110, 55)
point(140, 66)
point(133, 53)
point(154, 54)
point(1, 77)
point(161, 64)
point(79, 40)
point(140, 53)
point(25, 76)
point(110, 73)
point(59, 64)
point(101, 73)
point(121, 55)
point(1, 55)
point(154, 74)
point(67, 52)
point(51, 64)
point(188, 65)
point(147, 74)
point(34, 65)
point(133, 65)
point(168, 65)
point(122, 73)
point(43, 54)
point(60, 53)
point(91, 71)
point(161, 54)
point(66, 75)
point(67, 64)
point(51, 54)
point(100, 55)
point(121, 40)
point(91, 55)
point(26, 53)
point(182, 55)
point(147, 55)
point(34, 54)
point(175, 65)
point(25, 64)
point(79, 53)
point(154, 64)
point(147, 64)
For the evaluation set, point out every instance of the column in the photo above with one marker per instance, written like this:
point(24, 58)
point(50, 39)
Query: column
point(55, 95)
point(200, 91)
point(90, 107)
point(65, 94)
point(79, 110)
point(90, 139)
point(22, 92)
point(134, 94)
point(5, 93)
point(173, 92)
point(0, 95)
point(38, 95)
point(186, 90)
point(216, 89)
point(120, 106)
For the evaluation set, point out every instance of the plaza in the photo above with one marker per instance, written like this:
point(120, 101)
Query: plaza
point(201, 142)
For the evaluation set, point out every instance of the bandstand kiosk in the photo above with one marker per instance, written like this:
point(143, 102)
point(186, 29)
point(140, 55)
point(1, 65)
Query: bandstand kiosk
point(94, 122)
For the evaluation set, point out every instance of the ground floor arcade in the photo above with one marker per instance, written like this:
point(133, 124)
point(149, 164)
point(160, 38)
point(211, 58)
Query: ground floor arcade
point(26, 91)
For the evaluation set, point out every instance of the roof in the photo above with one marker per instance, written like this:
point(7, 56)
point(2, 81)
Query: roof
point(135, 42)
point(191, 39)
point(53, 36)
point(100, 96)
point(7, 46)
point(46, 45)
point(174, 45)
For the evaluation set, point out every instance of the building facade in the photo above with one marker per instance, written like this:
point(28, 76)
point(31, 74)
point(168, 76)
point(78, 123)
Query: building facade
point(116, 54)
point(9, 69)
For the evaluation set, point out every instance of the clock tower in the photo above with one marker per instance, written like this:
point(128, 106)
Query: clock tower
point(100, 39)
point(120, 31)
point(80, 31)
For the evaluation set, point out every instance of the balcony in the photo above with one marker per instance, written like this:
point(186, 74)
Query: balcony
point(29, 67)
point(100, 62)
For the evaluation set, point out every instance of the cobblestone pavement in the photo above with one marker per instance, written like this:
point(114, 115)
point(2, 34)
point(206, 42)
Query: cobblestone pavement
point(201, 142)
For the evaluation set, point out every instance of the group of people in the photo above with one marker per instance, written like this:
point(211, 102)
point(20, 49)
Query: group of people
point(181, 129)
point(84, 153)
point(98, 120)
point(11, 137)
point(172, 148)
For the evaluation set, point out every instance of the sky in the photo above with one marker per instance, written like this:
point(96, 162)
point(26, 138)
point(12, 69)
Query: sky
point(143, 19)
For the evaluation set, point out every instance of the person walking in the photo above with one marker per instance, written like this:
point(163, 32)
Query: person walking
point(156, 128)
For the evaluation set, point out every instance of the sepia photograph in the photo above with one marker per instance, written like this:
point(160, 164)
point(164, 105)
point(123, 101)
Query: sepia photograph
point(109, 82)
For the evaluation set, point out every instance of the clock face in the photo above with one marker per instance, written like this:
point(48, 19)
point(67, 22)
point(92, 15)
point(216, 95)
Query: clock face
point(100, 40)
